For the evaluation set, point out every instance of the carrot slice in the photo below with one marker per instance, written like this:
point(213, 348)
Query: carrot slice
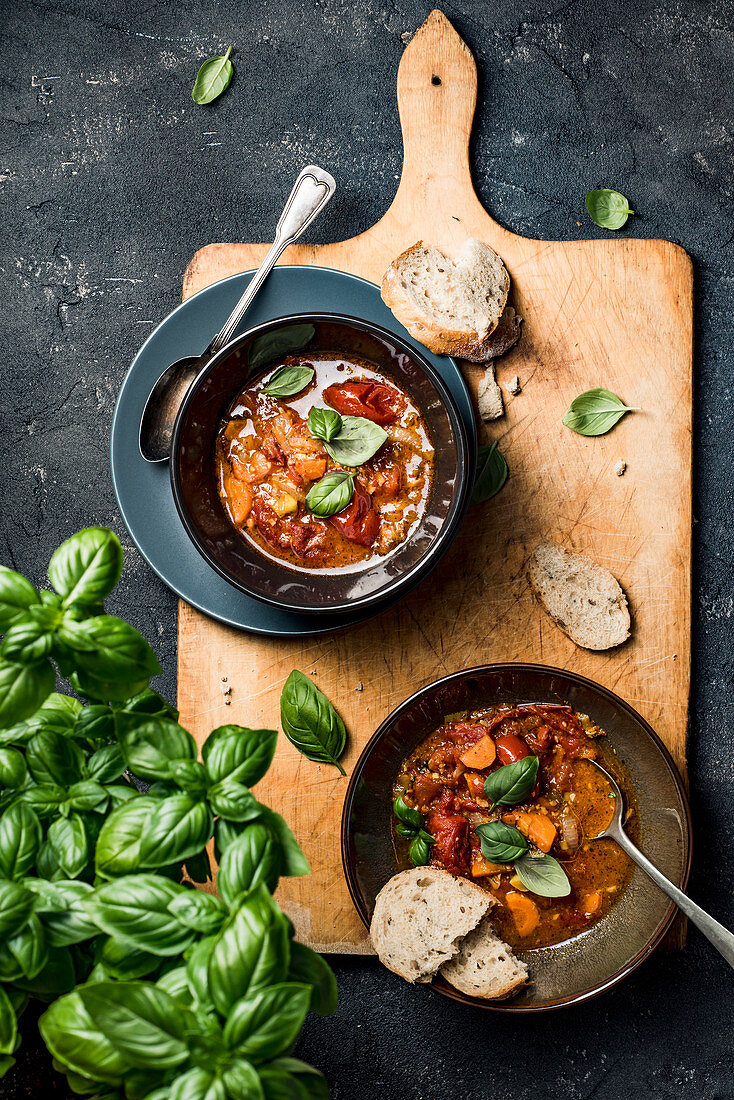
point(480, 755)
point(238, 498)
point(524, 912)
point(590, 903)
point(481, 866)
point(536, 827)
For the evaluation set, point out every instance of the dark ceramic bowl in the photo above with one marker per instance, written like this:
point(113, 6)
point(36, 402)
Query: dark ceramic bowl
point(604, 954)
point(236, 558)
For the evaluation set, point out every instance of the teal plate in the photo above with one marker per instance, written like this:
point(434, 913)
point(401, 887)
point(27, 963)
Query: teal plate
point(143, 490)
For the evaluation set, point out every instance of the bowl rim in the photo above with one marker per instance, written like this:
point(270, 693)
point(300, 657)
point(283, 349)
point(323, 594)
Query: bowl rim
point(466, 461)
point(632, 964)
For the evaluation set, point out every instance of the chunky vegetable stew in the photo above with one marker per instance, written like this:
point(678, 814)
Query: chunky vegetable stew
point(324, 462)
point(507, 798)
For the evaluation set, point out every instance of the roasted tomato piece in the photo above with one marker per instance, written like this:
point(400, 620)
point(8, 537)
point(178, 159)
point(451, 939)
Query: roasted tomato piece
point(273, 450)
point(510, 748)
point(305, 539)
point(452, 841)
point(358, 522)
point(425, 790)
point(372, 400)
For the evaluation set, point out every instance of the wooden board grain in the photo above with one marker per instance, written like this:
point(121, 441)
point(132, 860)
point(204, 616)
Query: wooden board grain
point(614, 313)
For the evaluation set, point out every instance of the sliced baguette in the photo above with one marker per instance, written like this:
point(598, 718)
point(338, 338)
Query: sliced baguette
point(420, 918)
point(485, 966)
point(582, 597)
point(451, 306)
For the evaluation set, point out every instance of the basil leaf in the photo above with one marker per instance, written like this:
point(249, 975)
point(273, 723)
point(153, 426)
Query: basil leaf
point(191, 777)
point(309, 967)
point(151, 749)
point(273, 345)
point(310, 722)
point(8, 1024)
point(26, 643)
point(20, 839)
point(22, 690)
point(202, 912)
point(117, 959)
point(252, 858)
point(250, 951)
point(16, 906)
point(53, 758)
point(176, 984)
point(197, 966)
point(212, 78)
point(289, 381)
point(291, 1079)
point(58, 975)
point(233, 801)
point(95, 723)
point(324, 423)
point(118, 844)
point(266, 1023)
point(112, 657)
point(17, 595)
point(71, 1033)
point(13, 769)
point(242, 1081)
point(136, 909)
point(29, 947)
point(179, 828)
point(407, 832)
point(491, 474)
point(405, 814)
point(60, 906)
point(44, 799)
point(106, 764)
point(595, 412)
point(145, 704)
point(331, 494)
point(57, 713)
point(501, 843)
point(196, 1084)
point(608, 209)
point(420, 849)
point(238, 753)
point(141, 1021)
point(293, 861)
point(87, 566)
point(357, 440)
point(67, 838)
point(543, 875)
point(512, 783)
point(88, 795)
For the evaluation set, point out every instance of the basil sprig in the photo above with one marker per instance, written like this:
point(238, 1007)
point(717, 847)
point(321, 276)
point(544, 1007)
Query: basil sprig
point(491, 474)
point(608, 209)
point(595, 412)
point(501, 843)
point(511, 783)
point(420, 849)
point(149, 981)
point(289, 381)
point(330, 494)
point(543, 875)
point(409, 827)
point(213, 78)
point(324, 423)
point(310, 722)
point(356, 441)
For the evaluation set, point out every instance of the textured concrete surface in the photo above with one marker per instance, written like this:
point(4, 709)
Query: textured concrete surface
point(111, 178)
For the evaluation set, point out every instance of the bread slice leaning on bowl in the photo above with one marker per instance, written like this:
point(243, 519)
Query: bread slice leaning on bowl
point(426, 920)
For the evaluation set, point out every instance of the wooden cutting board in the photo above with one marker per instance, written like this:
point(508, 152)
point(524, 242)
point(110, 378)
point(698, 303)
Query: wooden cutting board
point(614, 312)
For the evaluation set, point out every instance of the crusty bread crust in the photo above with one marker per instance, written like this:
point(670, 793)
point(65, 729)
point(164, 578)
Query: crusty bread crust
point(581, 596)
point(425, 324)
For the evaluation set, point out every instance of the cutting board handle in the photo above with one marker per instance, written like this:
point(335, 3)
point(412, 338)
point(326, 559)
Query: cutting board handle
point(437, 95)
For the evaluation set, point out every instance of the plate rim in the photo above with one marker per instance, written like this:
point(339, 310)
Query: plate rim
point(632, 964)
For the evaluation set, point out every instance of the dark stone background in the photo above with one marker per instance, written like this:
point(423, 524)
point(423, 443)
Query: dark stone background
point(112, 177)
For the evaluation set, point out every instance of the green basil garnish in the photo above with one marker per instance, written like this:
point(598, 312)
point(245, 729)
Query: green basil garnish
point(269, 346)
point(289, 381)
point(420, 849)
point(324, 423)
point(595, 412)
point(310, 722)
point(501, 843)
point(512, 783)
point(212, 79)
point(543, 875)
point(608, 209)
point(357, 441)
point(406, 815)
point(491, 474)
point(331, 494)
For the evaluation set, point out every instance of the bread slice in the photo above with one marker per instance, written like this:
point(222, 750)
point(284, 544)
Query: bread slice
point(485, 966)
point(583, 597)
point(451, 306)
point(421, 916)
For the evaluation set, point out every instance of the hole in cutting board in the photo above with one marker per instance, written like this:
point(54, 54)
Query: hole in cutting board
point(435, 80)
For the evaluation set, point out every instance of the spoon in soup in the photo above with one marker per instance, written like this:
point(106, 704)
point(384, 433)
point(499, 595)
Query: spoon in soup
point(720, 937)
point(311, 192)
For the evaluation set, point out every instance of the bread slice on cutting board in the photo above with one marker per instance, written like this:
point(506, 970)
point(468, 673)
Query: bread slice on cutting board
point(451, 305)
point(582, 597)
point(425, 919)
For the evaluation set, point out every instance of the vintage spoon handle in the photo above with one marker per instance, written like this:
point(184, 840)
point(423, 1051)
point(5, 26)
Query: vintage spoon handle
point(720, 937)
point(311, 192)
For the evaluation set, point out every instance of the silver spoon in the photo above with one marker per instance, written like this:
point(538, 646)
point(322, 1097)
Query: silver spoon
point(311, 192)
point(720, 937)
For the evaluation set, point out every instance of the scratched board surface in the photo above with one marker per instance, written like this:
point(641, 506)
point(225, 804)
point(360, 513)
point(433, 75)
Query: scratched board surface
point(613, 313)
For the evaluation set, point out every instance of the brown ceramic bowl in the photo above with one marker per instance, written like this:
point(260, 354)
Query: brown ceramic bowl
point(239, 561)
point(604, 954)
